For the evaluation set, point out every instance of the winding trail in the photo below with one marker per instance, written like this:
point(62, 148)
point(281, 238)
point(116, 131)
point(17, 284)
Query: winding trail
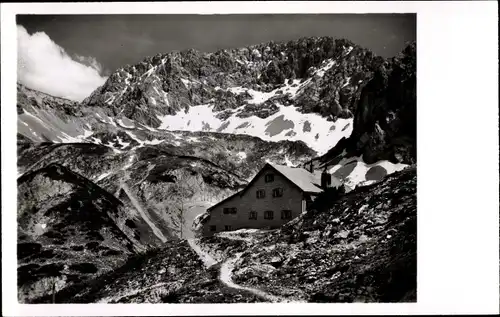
point(207, 259)
point(144, 215)
point(226, 271)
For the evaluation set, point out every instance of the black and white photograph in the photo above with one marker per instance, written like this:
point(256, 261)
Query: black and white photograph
point(216, 158)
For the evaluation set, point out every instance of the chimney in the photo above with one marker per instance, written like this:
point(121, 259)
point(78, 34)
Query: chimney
point(326, 179)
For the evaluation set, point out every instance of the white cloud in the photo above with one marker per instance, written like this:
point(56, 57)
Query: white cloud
point(45, 66)
point(90, 61)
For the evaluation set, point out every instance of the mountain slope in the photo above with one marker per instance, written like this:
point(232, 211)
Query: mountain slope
point(157, 180)
point(69, 229)
point(305, 90)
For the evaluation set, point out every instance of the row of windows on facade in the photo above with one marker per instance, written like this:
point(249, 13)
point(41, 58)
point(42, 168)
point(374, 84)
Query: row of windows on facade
point(261, 193)
point(277, 192)
point(268, 214)
point(226, 228)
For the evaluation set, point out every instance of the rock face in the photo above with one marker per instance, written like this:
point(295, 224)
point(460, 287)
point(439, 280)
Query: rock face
point(385, 117)
point(167, 83)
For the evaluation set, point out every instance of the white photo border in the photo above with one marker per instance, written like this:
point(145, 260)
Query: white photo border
point(458, 211)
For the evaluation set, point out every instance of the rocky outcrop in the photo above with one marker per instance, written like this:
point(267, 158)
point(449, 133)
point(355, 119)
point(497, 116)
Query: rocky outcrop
point(29, 97)
point(168, 83)
point(385, 116)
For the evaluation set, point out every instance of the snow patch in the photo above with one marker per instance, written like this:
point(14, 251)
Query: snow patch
point(102, 176)
point(256, 53)
point(186, 83)
point(328, 64)
point(65, 138)
point(122, 124)
point(156, 90)
point(357, 177)
point(346, 82)
point(241, 156)
point(199, 117)
point(362, 208)
point(150, 71)
point(129, 162)
point(149, 128)
point(153, 142)
point(288, 162)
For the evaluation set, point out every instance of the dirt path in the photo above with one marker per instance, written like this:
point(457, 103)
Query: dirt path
point(226, 271)
point(207, 259)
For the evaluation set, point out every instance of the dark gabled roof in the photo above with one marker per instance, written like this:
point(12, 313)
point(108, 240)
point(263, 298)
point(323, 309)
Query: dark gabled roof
point(304, 180)
point(307, 182)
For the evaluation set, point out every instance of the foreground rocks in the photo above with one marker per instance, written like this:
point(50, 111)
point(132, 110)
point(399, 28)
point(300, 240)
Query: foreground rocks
point(362, 248)
point(171, 274)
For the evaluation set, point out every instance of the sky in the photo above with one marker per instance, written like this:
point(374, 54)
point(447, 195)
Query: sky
point(71, 55)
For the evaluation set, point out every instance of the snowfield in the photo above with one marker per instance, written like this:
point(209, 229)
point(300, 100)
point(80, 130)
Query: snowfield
point(357, 169)
point(42, 125)
point(287, 124)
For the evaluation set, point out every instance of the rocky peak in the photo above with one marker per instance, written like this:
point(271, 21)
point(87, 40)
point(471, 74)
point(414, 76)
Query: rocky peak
point(195, 75)
point(384, 120)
